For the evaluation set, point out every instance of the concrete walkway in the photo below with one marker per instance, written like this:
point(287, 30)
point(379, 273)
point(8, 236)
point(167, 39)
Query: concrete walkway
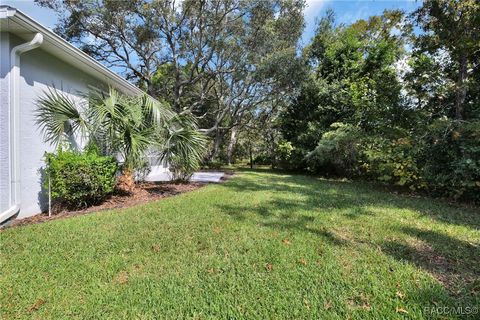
point(204, 177)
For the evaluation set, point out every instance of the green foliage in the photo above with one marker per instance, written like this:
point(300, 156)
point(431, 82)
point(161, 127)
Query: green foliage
point(337, 152)
point(409, 102)
point(451, 158)
point(284, 150)
point(184, 148)
point(213, 164)
point(79, 179)
point(126, 127)
point(58, 116)
point(392, 161)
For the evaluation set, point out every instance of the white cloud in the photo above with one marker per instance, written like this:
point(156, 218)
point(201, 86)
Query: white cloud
point(311, 13)
point(312, 9)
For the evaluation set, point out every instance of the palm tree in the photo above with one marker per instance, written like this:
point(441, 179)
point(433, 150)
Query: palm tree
point(128, 128)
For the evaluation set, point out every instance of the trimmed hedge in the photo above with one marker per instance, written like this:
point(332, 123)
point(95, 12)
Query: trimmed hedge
point(80, 179)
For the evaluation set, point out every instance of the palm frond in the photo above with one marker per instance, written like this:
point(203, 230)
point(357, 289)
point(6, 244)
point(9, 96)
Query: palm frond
point(129, 127)
point(184, 143)
point(156, 113)
point(58, 116)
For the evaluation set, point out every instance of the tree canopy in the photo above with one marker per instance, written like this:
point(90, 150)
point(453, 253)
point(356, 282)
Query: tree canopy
point(395, 97)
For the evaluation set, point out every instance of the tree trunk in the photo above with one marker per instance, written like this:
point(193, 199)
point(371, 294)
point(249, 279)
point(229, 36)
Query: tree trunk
point(251, 155)
point(231, 145)
point(126, 182)
point(216, 144)
point(461, 88)
point(273, 156)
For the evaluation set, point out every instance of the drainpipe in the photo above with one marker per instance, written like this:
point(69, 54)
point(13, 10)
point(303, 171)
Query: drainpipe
point(14, 124)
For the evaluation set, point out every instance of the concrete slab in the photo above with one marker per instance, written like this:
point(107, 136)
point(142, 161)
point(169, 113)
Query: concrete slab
point(204, 177)
point(207, 177)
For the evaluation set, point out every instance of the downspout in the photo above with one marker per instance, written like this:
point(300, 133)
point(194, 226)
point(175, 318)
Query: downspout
point(14, 124)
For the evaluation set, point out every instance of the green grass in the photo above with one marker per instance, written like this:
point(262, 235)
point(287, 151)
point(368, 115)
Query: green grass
point(262, 245)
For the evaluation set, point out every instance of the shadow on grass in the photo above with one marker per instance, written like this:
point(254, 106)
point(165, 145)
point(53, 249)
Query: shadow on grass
point(355, 195)
point(455, 263)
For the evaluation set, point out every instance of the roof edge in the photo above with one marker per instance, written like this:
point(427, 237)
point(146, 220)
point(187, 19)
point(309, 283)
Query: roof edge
point(9, 12)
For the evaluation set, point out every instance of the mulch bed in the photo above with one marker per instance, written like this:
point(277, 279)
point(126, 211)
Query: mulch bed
point(143, 193)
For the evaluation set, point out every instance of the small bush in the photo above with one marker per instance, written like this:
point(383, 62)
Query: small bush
point(393, 162)
point(80, 179)
point(283, 153)
point(451, 159)
point(262, 159)
point(337, 153)
point(181, 169)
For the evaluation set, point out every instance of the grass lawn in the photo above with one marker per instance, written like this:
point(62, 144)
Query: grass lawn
point(262, 245)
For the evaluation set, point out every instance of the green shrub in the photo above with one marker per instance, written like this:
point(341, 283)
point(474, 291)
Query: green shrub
point(283, 153)
point(262, 159)
point(337, 152)
point(181, 169)
point(451, 159)
point(393, 161)
point(80, 179)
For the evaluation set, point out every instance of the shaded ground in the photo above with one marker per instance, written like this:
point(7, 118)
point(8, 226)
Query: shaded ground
point(262, 245)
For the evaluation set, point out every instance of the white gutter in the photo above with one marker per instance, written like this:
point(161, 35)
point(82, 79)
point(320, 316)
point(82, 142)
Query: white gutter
point(78, 58)
point(14, 124)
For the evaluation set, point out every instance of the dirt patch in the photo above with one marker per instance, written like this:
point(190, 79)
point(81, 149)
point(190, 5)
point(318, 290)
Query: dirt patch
point(143, 193)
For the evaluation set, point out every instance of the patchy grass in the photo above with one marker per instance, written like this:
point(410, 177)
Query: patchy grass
point(262, 245)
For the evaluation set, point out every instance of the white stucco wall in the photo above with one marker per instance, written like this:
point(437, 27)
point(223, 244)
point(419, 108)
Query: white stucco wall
point(39, 71)
point(4, 120)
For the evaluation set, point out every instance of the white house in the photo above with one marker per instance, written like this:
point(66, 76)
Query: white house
point(33, 59)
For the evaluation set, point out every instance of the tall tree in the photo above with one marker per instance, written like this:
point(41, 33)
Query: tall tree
point(353, 79)
point(218, 59)
point(452, 27)
point(138, 36)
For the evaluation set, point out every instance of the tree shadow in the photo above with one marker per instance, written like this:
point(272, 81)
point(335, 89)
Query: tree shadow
point(348, 195)
point(453, 262)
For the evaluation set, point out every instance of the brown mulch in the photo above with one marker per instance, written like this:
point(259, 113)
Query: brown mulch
point(143, 193)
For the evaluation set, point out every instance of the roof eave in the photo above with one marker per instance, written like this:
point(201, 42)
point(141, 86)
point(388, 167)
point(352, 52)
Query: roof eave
point(76, 55)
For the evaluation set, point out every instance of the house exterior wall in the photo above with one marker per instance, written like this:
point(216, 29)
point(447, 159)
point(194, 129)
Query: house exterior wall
point(40, 71)
point(4, 120)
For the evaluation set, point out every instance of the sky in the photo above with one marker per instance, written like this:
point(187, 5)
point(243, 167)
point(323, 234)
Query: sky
point(347, 11)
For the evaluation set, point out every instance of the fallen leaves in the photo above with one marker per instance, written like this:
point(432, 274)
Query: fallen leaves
point(306, 303)
point(400, 310)
point(122, 277)
point(269, 267)
point(36, 305)
point(302, 261)
point(327, 305)
point(286, 242)
point(156, 248)
point(366, 306)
